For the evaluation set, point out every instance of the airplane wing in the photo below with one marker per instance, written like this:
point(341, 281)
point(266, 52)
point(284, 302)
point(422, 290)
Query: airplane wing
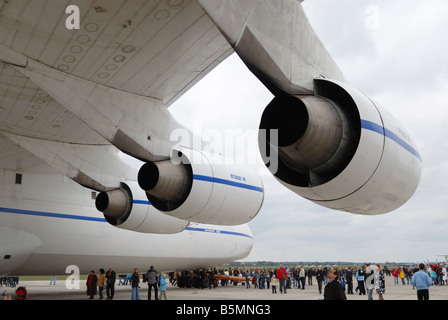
point(37, 130)
point(110, 82)
point(155, 49)
point(73, 96)
point(151, 48)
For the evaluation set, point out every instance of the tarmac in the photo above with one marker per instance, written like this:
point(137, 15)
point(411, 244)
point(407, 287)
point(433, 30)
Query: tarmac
point(42, 290)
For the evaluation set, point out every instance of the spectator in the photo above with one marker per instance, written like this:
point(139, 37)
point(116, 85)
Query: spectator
point(310, 274)
point(151, 278)
point(349, 277)
point(274, 283)
point(369, 281)
point(92, 281)
point(325, 275)
point(302, 275)
point(163, 283)
point(111, 277)
point(282, 277)
point(360, 274)
point(319, 278)
point(422, 282)
point(135, 283)
point(380, 283)
point(403, 275)
point(101, 282)
point(434, 277)
point(333, 290)
point(395, 274)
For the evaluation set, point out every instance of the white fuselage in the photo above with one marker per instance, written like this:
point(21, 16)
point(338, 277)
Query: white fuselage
point(48, 223)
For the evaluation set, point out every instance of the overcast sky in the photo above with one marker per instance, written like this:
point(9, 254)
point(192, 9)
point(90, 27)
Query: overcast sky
point(397, 53)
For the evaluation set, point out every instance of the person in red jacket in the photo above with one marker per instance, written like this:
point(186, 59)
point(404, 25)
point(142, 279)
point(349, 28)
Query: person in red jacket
point(91, 283)
point(282, 276)
point(395, 274)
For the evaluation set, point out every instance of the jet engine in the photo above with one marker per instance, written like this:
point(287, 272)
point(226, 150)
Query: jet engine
point(127, 208)
point(340, 149)
point(190, 186)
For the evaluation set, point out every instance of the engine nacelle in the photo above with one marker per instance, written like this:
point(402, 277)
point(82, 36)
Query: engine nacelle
point(191, 187)
point(341, 150)
point(127, 208)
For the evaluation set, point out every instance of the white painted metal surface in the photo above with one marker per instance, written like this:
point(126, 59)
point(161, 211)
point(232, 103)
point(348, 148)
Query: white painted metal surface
point(276, 41)
point(70, 100)
point(384, 171)
point(151, 48)
point(49, 222)
point(221, 193)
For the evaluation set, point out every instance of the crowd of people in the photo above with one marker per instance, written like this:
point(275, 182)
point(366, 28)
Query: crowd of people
point(333, 282)
point(106, 280)
point(368, 278)
point(437, 273)
point(96, 284)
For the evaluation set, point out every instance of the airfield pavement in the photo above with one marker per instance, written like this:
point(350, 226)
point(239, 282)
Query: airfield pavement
point(57, 301)
point(42, 290)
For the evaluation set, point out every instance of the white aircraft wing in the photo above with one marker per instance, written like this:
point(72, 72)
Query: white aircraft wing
point(151, 48)
point(110, 81)
point(75, 97)
point(36, 129)
point(154, 49)
point(81, 81)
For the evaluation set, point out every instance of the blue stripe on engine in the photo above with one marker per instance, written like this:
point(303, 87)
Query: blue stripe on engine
point(142, 202)
point(226, 182)
point(369, 125)
point(218, 231)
